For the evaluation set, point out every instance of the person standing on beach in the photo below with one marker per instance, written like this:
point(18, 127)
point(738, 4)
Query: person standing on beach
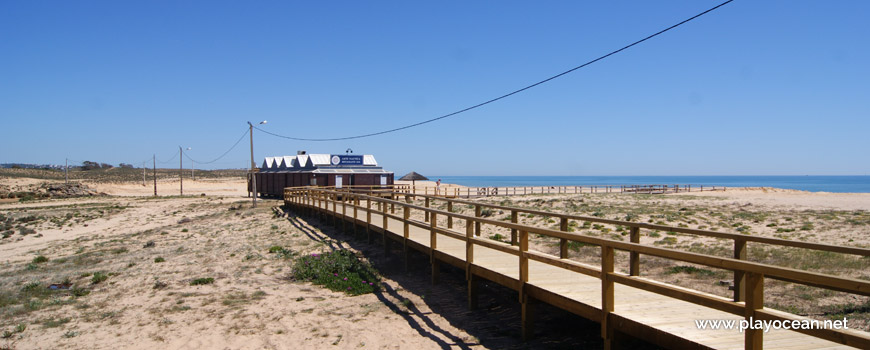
point(438, 186)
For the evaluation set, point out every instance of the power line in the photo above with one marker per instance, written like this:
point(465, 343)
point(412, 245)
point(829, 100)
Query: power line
point(222, 155)
point(505, 95)
point(170, 159)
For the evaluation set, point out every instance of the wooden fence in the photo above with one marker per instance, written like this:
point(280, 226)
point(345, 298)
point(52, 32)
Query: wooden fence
point(474, 192)
point(747, 300)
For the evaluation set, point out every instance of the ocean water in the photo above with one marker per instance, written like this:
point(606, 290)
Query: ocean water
point(843, 184)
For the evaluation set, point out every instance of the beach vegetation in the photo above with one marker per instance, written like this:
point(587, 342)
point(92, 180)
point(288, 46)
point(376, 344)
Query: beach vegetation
point(690, 270)
point(99, 277)
point(202, 281)
point(339, 270)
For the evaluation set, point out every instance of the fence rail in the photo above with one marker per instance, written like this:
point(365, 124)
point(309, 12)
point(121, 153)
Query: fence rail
point(474, 192)
point(747, 300)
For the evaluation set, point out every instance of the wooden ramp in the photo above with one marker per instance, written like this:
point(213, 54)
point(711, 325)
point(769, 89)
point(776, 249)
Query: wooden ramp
point(578, 288)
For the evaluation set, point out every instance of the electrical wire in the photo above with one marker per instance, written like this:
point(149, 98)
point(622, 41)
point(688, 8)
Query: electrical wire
point(170, 159)
point(222, 155)
point(505, 95)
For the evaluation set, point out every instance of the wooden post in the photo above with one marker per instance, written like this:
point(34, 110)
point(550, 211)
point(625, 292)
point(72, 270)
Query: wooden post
point(355, 205)
point(634, 257)
point(477, 212)
point(739, 276)
point(513, 230)
point(469, 247)
point(154, 164)
point(384, 217)
point(433, 245)
point(607, 301)
point(469, 260)
point(386, 240)
point(525, 300)
point(524, 260)
point(449, 217)
point(472, 292)
point(334, 199)
point(426, 215)
point(563, 243)
point(754, 301)
point(406, 215)
point(369, 219)
point(344, 213)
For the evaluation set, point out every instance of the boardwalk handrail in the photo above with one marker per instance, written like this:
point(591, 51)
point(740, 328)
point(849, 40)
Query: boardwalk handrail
point(474, 191)
point(641, 225)
point(753, 272)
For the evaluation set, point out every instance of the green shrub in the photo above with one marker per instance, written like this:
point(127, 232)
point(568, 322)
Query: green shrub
point(159, 259)
point(40, 259)
point(202, 281)
point(99, 277)
point(339, 270)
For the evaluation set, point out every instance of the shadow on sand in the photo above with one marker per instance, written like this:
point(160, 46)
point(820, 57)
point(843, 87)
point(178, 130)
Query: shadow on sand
point(495, 324)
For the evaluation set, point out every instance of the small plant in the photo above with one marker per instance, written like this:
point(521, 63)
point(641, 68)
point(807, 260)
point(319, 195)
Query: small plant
point(150, 244)
point(40, 259)
point(275, 249)
point(99, 277)
point(55, 323)
point(339, 270)
point(159, 259)
point(202, 281)
point(690, 270)
point(79, 292)
point(666, 240)
point(184, 230)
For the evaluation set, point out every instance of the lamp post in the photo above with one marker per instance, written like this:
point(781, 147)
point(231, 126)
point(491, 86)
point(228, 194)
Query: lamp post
point(253, 165)
point(192, 165)
point(181, 170)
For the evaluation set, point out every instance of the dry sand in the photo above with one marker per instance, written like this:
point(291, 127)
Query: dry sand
point(253, 304)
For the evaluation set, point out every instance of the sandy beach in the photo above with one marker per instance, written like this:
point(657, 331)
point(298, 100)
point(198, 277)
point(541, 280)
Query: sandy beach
point(253, 303)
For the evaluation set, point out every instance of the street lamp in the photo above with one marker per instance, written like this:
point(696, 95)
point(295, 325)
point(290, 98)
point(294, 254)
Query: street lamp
point(253, 165)
point(181, 170)
point(192, 165)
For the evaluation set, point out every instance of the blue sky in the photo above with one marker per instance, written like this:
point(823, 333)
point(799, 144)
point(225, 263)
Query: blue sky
point(754, 88)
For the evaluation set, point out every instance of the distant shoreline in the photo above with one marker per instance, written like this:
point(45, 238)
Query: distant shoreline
point(809, 183)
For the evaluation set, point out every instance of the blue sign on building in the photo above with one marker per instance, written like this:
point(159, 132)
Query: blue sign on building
point(338, 159)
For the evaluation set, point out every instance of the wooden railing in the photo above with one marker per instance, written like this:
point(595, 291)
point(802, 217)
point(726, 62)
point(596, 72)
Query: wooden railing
point(472, 192)
point(748, 299)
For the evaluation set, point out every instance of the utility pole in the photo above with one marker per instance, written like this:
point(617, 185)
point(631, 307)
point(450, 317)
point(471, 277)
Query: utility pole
point(253, 175)
point(144, 166)
point(154, 159)
point(180, 172)
point(253, 165)
point(66, 171)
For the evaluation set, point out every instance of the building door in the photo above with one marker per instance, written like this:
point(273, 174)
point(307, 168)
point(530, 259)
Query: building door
point(337, 181)
point(383, 180)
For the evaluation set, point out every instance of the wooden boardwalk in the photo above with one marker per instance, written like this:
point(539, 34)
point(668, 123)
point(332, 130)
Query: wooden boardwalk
point(656, 312)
